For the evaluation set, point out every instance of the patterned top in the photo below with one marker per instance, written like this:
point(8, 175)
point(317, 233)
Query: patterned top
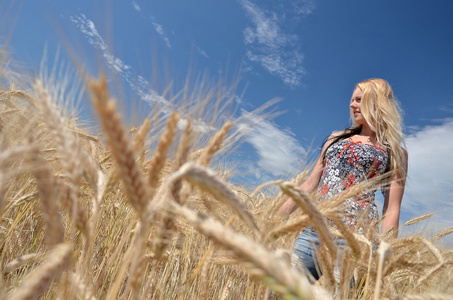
point(349, 163)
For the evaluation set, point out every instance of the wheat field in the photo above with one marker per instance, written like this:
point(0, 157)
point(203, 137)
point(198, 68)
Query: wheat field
point(149, 212)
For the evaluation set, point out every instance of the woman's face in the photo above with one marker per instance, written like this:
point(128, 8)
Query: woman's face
point(356, 102)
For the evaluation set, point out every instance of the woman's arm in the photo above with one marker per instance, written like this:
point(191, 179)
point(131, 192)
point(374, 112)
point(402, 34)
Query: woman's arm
point(310, 184)
point(392, 201)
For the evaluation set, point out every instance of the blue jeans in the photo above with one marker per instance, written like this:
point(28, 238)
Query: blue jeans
point(304, 254)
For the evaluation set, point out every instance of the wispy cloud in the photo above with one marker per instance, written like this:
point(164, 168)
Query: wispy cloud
point(446, 108)
point(138, 84)
point(430, 181)
point(269, 45)
point(88, 28)
point(136, 6)
point(160, 30)
point(201, 51)
point(303, 7)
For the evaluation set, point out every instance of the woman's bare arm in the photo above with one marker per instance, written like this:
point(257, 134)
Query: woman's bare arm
point(392, 202)
point(309, 185)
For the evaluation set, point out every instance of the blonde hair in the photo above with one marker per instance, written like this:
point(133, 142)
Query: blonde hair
point(381, 111)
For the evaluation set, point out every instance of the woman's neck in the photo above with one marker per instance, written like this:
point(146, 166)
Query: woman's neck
point(366, 131)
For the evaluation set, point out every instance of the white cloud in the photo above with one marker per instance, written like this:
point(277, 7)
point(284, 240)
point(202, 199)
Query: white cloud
point(429, 186)
point(160, 30)
point(136, 6)
point(268, 44)
point(279, 153)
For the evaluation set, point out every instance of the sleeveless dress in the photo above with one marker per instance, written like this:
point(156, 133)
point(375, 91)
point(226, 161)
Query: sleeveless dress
point(347, 163)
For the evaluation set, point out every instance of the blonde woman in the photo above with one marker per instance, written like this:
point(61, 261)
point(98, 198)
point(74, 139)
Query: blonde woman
point(371, 147)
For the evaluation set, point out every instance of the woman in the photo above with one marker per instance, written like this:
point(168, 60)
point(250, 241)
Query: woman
point(371, 147)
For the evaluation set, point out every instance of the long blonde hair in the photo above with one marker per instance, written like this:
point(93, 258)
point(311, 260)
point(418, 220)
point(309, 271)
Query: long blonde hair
point(381, 111)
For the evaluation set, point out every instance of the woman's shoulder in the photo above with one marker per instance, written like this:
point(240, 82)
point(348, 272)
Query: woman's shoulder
point(333, 138)
point(336, 133)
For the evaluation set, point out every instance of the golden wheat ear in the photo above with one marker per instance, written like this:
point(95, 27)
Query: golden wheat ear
point(49, 193)
point(120, 146)
point(181, 157)
point(76, 162)
point(160, 155)
point(170, 186)
point(418, 219)
point(214, 144)
point(139, 140)
point(443, 233)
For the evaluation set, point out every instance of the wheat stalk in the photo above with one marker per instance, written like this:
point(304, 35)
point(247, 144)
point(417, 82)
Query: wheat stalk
point(348, 236)
point(226, 290)
point(20, 261)
point(74, 160)
point(327, 264)
point(55, 263)
point(288, 284)
point(433, 250)
point(81, 287)
point(384, 252)
point(204, 278)
point(303, 200)
point(209, 182)
point(294, 224)
point(425, 296)
point(431, 272)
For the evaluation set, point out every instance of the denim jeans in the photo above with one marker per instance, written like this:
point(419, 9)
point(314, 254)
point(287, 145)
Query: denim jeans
point(304, 259)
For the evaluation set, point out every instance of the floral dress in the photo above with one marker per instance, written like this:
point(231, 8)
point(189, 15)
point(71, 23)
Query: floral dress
point(349, 163)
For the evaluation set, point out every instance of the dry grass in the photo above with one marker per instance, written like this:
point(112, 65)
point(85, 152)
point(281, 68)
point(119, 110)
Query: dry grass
point(106, 216)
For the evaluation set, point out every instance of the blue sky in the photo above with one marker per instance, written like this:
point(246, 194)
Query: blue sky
point(309, 53)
